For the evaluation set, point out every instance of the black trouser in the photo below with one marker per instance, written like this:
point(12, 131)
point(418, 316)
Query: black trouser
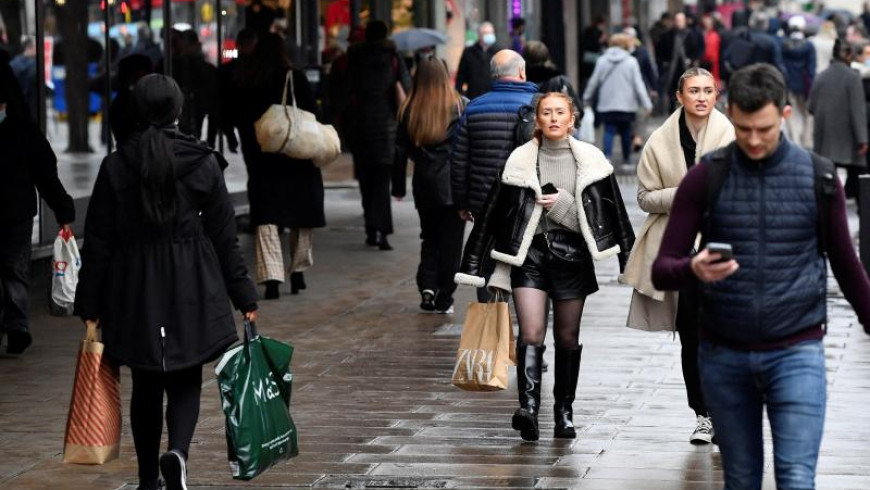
point(687, 326)
point(852, 186)
point(441, 230)
point(374, 185)
point(15, 276)
point(146, 414)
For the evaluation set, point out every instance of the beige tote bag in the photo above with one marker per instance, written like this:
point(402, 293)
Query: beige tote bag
point(296, 133)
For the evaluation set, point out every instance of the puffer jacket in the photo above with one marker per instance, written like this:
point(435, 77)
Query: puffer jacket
point(799, 57)
point(485, 139)
point(506, 226)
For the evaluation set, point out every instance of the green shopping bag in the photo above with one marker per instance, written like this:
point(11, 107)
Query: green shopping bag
point(254, 379)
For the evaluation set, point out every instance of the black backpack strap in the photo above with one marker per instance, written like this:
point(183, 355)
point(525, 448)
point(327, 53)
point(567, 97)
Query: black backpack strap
point(825, 188)
point(719, 167)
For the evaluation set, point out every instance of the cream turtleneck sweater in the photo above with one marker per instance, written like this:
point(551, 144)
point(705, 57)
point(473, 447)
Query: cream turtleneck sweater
point(559, 168)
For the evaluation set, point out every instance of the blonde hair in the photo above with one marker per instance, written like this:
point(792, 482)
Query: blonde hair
point(695, 71)
point(620, 40)
point(428, 108)
point(567, 98)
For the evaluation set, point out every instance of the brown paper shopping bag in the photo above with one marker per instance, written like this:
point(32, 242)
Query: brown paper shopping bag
point(93, 428)
point(486, 348)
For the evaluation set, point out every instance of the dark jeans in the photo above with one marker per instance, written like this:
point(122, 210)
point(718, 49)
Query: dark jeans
point(374, 185)
point(146, 414)
point(852, 186)
point(687, 326)
point(791, 384)
point(15, 276)
point(618, 123)
point(442, 231)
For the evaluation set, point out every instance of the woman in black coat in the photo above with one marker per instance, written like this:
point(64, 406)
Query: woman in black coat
point(283, 192)
point(425, 121)
point(159, 268)
point(378, 80)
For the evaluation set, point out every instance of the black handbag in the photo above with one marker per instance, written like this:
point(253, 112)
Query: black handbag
point(569, 246)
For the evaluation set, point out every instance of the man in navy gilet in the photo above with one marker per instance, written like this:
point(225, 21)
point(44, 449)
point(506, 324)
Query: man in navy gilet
point(763, 313)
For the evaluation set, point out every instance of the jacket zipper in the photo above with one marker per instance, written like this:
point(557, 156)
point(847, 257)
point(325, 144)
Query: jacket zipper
point(163, 348)
point(762, 252)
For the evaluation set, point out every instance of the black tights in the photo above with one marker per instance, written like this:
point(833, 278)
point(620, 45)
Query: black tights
point(531, 306)
point(146, 414)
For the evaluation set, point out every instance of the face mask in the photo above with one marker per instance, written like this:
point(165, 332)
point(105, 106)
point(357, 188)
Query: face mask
point(489, 39)
point(2, 115)
point(867, 62)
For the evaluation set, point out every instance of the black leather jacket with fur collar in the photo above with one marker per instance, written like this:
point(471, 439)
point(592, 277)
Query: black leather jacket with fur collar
point(507, 223)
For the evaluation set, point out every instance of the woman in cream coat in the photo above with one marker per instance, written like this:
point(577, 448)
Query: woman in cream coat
point(694, 129)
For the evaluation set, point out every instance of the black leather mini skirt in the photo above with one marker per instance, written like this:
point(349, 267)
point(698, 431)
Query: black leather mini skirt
point(561, 279)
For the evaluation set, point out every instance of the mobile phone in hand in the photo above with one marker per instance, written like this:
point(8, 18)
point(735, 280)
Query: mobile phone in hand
point(549, 188)
point(723, 249)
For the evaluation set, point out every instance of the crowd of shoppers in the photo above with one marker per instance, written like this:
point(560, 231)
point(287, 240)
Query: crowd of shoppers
point(543, 210)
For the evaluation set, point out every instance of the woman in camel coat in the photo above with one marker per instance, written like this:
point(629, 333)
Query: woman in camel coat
point(694, 129)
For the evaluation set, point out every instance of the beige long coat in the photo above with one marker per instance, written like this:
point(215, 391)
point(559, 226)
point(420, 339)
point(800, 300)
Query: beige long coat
point(662, 166)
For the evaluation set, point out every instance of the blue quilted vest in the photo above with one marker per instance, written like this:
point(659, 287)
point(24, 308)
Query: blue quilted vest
point(767, 212)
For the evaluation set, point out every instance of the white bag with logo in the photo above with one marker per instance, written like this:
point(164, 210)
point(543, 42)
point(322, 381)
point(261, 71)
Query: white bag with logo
point(65, 265)
point(296, 133)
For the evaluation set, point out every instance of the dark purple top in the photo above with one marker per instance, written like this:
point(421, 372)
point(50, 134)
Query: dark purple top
point(672, 269)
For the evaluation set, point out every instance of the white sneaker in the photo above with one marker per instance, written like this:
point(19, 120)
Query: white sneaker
point(703, 431)
point(448, 311)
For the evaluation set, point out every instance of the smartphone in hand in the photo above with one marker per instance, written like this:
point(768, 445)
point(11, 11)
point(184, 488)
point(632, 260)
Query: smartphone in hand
point(723, 249)
point(549, 188)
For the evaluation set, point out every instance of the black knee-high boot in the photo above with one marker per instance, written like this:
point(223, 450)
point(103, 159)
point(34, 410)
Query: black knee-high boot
point(525, 420)
point(567, 371)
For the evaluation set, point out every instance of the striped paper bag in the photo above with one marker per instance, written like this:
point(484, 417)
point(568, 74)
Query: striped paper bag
point(93, 428)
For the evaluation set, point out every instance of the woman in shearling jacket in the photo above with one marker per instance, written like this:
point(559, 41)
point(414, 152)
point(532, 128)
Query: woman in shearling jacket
point(555, 208)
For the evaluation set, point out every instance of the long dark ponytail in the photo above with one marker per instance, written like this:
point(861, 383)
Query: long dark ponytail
point(158, 100)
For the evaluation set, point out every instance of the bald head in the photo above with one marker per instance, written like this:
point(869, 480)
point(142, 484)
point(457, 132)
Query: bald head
point(507, 64)
point(680, 21)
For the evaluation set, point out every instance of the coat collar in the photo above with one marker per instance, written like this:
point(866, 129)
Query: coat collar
point(520, 169)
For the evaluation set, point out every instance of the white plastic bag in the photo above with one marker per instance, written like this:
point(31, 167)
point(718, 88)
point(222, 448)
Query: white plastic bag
point(587, 126)
point(65, 265)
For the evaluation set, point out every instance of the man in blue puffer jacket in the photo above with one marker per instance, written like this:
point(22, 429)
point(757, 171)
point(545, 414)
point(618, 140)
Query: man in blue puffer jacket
point(485, 135)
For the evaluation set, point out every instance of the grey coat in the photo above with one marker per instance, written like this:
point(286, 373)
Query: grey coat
point(837, 102)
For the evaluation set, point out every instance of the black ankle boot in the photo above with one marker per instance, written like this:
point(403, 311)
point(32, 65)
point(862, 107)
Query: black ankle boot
point(370, 236)
point(381, 241)
point(272, 291)
point(567, 371)
point(297, 282)
point(525, 419)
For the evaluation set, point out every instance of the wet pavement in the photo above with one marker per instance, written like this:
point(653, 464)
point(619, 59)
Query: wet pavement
point(375, 408)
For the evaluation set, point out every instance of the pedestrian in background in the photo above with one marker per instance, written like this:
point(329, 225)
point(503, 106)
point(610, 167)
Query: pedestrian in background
point(593, 42)
point(28, 165)
point(764, 311)
point(620, 91)
point(861, 64)
point(426, 123)
point(799, 57)
point(693, 130)
point(283, 192)
point(541, 70)
point(554, 209)
point(712, 48)
point(24, 67)
point(379, 81)
point(160, 265)
point(472, 77)
point(680, 48)
point(823, 41)
point(485, 138)
point(840, 117)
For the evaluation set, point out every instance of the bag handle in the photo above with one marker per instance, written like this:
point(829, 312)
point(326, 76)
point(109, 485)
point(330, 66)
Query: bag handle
point(289, 81)
point(250, 331)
